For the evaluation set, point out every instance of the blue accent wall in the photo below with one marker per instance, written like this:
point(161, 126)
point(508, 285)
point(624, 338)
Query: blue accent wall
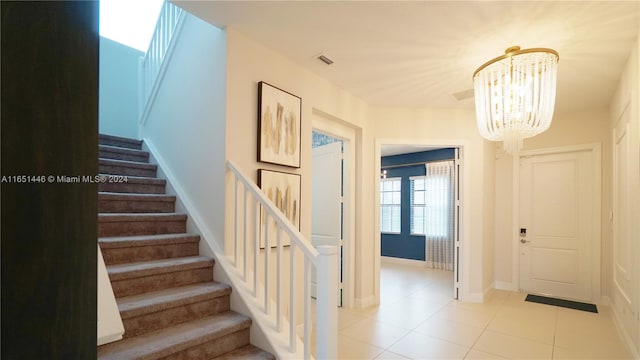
point(405, 245)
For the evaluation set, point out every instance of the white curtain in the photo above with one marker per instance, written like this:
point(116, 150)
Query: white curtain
point(439, 211)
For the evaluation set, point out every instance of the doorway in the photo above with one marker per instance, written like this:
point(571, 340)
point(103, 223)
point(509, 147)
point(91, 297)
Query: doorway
point(420, 208)
point(559, 223)
point(327, 190)
point(351, 138)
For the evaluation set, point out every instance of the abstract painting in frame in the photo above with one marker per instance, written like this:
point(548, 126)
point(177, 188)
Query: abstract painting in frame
point(279, 114)
point(283, 189)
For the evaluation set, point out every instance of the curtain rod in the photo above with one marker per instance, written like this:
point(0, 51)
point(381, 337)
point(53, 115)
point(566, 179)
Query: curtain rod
point(412, 164)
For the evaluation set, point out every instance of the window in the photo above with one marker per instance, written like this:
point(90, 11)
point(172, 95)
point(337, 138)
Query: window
point(431, 201)
point(390, 205)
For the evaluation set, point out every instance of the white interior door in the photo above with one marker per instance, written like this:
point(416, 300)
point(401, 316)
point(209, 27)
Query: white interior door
point(556, 224)
point(326, 202)
point(623, 249)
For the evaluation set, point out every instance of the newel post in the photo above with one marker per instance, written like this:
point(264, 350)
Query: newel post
point(327, 304)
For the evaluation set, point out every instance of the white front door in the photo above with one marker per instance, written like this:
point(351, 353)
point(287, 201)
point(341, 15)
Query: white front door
point(326, 201)
point(556, 224)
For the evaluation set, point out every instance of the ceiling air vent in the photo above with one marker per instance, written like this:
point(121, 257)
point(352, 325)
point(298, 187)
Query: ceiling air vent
point(325, 60)
point(463, 95)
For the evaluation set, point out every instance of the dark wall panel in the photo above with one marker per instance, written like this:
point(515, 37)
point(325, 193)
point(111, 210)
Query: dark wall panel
point(49, 114)
point(405, 245)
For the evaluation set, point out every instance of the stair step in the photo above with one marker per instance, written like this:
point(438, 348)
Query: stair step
point(161, 309)
point(200, 339)
point(135, 184)
point(118, 141)
point(127, 249)
point(137, 278)
point(135, 203)
point(248, 352)
point(120, 224)
point(119, 153)
point(126, 168)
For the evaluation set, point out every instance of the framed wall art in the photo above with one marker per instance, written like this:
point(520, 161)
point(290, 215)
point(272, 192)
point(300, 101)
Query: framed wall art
point(279, 114)
point(283, 189)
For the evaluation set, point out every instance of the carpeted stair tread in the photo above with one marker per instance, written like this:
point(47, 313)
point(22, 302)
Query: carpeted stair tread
point(127, 168)
point(115, 242)
point(134, 184)
point(155, 301)
point(123, 217)
point(166, 342)
point(127, 249)
point(118, 141)
point(248, 352)
point(136, 197)
point(155, 267)
point(110, 202)
point(120, 153)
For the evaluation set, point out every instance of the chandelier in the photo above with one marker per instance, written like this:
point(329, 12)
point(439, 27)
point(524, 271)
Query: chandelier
point(515, 95)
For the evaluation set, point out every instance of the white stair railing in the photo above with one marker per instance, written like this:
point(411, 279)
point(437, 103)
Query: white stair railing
point(153, 64)
point(268, 268)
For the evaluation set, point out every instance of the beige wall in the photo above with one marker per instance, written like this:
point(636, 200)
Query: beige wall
point(449, 127)
point(587, 127)
point(488, 215)
point(627, 101)
point(249, 63)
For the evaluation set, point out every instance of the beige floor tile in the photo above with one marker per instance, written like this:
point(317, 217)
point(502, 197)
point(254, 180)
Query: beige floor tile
point(458, 333)
point(480, 355)
point(529, 323)
point(432, 295)
point(591, 333)
point(406, 313)
point(388, 355)
point(504, 326)
point(349, 349)
point(512, 347)
point(347, 318)
point(375, 333)
point(582, 353)
point(457, 313)
point(421, 346)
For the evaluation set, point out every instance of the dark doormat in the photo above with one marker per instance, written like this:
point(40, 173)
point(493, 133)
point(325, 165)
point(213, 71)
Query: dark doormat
point(562, 303)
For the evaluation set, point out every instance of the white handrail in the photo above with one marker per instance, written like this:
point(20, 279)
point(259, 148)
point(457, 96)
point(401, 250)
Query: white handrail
point(267, 284)
point(153, 64)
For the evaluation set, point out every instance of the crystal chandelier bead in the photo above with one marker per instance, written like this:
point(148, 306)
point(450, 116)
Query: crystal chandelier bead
point(515, 95)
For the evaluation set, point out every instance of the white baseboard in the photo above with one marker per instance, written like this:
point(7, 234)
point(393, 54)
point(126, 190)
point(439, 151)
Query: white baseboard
point(488, 290)
point(362, 303)
point(628, 340)
point(401, 261)
point(473, 297)
point(503, 285)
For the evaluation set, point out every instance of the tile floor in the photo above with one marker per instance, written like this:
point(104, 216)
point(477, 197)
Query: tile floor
point(417, 319)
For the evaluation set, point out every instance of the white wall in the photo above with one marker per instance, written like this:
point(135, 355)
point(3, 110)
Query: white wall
point(449, 127)
point(587, 127)
point(489, 213)
point(118, 109)
point(249, 63)
point(626, 308)
point(186, 126)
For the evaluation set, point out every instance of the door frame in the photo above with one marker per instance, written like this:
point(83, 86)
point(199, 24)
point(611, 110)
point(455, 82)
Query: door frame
point(596, 241)
point(462, 273)
point(327, 124)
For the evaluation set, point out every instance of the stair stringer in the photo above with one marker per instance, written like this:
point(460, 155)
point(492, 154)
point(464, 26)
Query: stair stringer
point(262, 333)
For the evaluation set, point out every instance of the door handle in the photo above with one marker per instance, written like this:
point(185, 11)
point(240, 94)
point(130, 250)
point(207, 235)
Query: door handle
point(524, 241)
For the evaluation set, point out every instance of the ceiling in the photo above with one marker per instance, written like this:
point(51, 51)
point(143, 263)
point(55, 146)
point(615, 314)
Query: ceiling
point(418, 54)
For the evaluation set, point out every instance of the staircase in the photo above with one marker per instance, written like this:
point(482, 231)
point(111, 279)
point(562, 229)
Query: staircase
point(170, 305)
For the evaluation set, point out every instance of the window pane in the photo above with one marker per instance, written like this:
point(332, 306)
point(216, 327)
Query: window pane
point(396, 197)
point(396, 185)
point(395, 219)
